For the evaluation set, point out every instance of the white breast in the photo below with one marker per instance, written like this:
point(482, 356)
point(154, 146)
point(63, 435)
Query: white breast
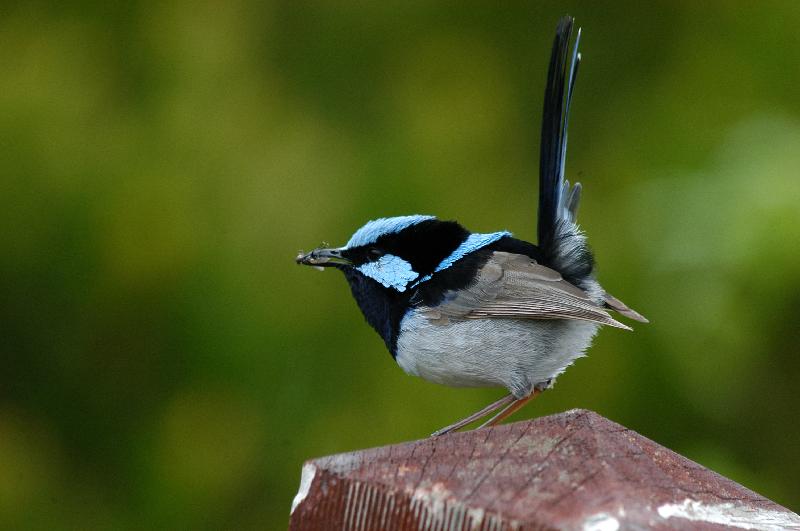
point(518, 354)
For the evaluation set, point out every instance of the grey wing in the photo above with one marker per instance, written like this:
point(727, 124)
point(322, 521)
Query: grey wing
point(515, 286)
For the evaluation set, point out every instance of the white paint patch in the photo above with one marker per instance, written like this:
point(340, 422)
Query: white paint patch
point(434, 508)
point(306, 478)
point(341, 463)
point(476, 516)
point(601, 522)
point(732, 515)
point(434, 499)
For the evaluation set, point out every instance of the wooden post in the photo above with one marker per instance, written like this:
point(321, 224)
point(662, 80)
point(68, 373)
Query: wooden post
point(575, 470)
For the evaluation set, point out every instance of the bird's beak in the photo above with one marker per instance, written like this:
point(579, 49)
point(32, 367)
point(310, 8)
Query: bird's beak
point(323, 258)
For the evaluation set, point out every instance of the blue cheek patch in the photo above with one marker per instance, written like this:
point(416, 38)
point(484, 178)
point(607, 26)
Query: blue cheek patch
point(471, 244)
point(391, 271)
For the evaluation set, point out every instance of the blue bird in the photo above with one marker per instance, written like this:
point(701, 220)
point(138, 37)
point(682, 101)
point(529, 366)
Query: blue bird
point(487, 310)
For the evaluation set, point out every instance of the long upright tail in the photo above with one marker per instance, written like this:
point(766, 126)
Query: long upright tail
point(561, 241)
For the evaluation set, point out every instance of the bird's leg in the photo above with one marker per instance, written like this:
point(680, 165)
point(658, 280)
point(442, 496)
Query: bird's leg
point(475, 416)
point(511, 409)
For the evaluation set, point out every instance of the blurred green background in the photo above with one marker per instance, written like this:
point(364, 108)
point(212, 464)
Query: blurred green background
point(165, 364)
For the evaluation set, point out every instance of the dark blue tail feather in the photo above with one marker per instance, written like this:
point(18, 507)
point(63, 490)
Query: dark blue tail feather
point(560, 240)
point(554, 131)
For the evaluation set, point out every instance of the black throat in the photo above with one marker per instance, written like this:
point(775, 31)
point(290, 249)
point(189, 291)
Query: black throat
point(382, 308)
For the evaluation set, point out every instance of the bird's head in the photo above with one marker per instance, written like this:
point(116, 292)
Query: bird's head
point(395, 252)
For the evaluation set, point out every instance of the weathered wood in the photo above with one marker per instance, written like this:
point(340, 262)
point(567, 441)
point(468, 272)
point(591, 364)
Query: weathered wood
point(575, 470)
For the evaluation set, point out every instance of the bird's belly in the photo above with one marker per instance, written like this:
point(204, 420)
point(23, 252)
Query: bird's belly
point(518, 354)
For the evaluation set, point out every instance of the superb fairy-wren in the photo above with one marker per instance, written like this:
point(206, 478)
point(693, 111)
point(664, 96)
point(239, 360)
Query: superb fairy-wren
point(467, 309)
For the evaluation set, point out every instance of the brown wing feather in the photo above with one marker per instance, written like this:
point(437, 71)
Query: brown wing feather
point(620, 307)
point(515, 286)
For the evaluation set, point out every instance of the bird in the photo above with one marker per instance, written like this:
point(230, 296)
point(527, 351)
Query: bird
point(469, 309)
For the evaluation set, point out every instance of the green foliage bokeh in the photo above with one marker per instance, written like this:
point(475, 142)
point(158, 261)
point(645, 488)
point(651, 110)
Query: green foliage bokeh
point(166, 365)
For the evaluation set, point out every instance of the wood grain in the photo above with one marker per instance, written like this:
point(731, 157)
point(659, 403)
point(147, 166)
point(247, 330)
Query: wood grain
point(574, 470)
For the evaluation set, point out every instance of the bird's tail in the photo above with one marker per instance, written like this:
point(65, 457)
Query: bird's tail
point(560, 239)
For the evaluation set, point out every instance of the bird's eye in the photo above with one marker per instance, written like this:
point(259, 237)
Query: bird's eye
point(375, 253)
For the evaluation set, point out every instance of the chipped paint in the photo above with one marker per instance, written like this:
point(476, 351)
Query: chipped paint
point(341, 463)
point(434, 507)
point(730, 514)
point(601, 522)
point(306, 478)
point(476, 516)
point(465, 484)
